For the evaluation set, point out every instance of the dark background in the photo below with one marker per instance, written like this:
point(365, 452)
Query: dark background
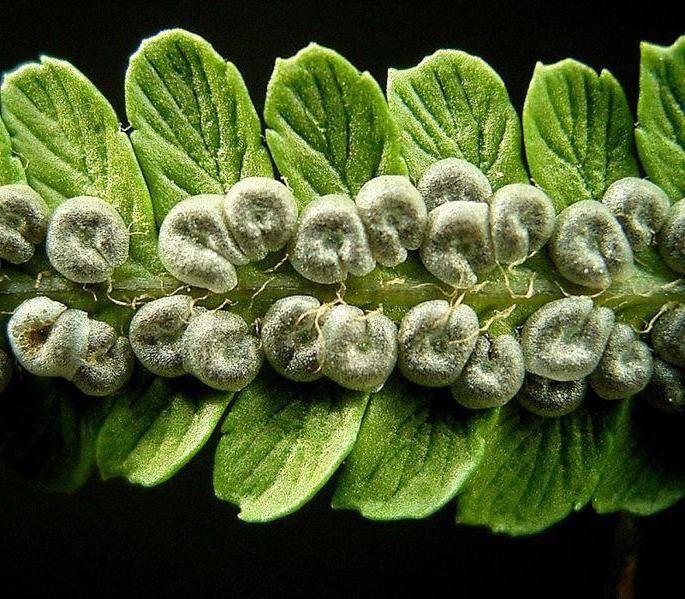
point(177, 538)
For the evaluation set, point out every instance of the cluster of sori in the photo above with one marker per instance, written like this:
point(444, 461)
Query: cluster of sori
point(565, 347)
point(203, 238)
point(23, 222)
point(50, 340)
point(85, 237)
point(569, 344)
point(471, 229)
point(304, 340)
point(464, 229)
point(460, 226)
point(594, 242)
point(169, 336)
point(569, 339)
point(173, 337)
point(337, 236)
point(85, 240)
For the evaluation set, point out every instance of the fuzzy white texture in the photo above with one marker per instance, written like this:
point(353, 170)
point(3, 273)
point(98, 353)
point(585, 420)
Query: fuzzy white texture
point(435, 341)
point(671, 238)
point(640, 206)
point(86, 240)
point(108, 363)
point(23, 222)
point(549, 398)
point(453, 180)
point(331, 241)
point(156, 333)
point(457, 244)
point(261, 214)
point(668, 336)
point(361, 349)
point(47, 338)
point(522, 219)
point(394, 215)
point(626, 365)
point(564, 340)
point(589, 246)
point(493, 374)
point(291, 338)
point(220, 351)
point(197, 247)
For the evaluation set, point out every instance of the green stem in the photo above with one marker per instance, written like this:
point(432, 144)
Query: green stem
point(396, 290)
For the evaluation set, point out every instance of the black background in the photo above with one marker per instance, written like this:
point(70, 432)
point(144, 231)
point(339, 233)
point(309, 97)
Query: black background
point(177, 538)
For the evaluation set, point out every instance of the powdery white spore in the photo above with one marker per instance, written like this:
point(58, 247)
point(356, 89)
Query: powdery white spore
point(545, 397)
point(290, 338)
point(626, 365)
point(640, 206)
point(86, 240)
point(156, 333)
point(196, 245)
point(261, 214)
point(457, 245)
point(47, 338)
point(564, 340)
point(394, 215)
point(361, 349)
point(453, 180)
point(522, 219)
point(108, 363)
point(435, 340)
point(493, 374)
point(23, 222)
point(220, 351)
point(330, 241)
point(589, 246)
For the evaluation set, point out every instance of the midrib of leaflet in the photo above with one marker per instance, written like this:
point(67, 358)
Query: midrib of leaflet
point(391, 288)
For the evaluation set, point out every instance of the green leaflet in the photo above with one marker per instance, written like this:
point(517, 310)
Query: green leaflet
point(537, 470)
point(455, 105)
point(156, 427)
point(661, 112)
point(645, 471)
point(195, 128)
point(415, 449)
point(578, 132)
point(281, 442)
point(329, 126)
point(48, 431)
point(71, 144)
point(11, 170)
